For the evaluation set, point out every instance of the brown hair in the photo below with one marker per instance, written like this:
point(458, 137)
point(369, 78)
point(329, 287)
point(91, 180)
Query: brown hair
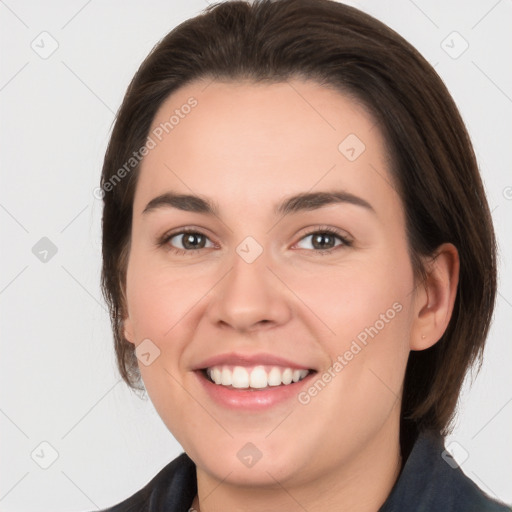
point(432, 160)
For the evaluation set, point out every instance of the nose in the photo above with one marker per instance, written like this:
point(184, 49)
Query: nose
point(250, 297)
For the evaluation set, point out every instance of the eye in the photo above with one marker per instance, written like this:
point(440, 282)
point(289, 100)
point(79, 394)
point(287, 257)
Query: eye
point(186, 241)
point(323, 240)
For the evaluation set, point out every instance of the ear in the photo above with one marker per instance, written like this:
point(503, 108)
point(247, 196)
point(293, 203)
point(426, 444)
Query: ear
point(128, 330)
point(127, 325)
point(435, 297)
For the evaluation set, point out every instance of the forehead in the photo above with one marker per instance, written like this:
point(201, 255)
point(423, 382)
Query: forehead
point(256, 141)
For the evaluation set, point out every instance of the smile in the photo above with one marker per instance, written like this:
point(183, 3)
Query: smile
point(255, 377)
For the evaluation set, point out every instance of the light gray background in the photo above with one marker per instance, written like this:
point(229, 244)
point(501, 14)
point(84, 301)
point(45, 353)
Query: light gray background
point(58, 378)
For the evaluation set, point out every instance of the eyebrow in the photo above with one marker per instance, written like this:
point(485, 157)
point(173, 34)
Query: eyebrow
point(305, 201)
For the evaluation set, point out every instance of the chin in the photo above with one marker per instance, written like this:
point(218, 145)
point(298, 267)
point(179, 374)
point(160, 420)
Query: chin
point(254, 464)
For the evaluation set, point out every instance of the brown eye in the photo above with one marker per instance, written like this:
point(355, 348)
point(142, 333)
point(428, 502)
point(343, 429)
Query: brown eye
point(325, 240)
point(186, 241)
point(191, 241)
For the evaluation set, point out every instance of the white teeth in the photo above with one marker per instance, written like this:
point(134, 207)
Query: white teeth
point(257, 377)
point(216, 375)
point(240, 377)
point(274, 377)
point(287, 376)
point(227, 379)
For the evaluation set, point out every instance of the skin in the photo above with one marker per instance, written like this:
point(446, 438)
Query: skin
point(248, 146)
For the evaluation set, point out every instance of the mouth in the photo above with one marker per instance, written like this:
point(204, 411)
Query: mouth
point(252, 382)
point(259, 377)
point(253, 388)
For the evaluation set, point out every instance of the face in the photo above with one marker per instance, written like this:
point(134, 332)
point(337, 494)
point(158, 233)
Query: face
point(294, 265)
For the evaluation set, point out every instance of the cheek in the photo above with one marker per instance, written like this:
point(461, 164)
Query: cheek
point(159, 298)
point(357, 299)
point(161, 303)
point(365, 320)
point(368, 312)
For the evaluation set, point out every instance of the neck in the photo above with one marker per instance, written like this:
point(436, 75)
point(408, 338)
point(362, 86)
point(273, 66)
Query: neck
point(362, 483)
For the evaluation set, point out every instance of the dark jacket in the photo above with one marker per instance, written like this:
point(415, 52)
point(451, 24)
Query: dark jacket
point(430, 481)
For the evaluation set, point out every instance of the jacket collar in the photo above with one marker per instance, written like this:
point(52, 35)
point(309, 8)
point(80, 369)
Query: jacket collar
point(430, 481)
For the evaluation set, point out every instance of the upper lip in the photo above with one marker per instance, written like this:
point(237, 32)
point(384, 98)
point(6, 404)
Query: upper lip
point(237, 359)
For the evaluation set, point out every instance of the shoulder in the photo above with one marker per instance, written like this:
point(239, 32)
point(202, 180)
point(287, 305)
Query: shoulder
point(431, 480)
point(173, 488)
point(454, 486)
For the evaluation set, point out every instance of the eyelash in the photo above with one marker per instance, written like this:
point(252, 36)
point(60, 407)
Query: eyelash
point(164, 241)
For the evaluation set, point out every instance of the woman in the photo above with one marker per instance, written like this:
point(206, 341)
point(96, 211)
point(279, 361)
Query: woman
point(299, 261)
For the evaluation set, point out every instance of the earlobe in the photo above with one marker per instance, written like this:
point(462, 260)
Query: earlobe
point(127, 330)
point(127, 327)
point(435, 298)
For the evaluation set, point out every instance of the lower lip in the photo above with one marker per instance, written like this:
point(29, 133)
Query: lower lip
point(252, 399)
